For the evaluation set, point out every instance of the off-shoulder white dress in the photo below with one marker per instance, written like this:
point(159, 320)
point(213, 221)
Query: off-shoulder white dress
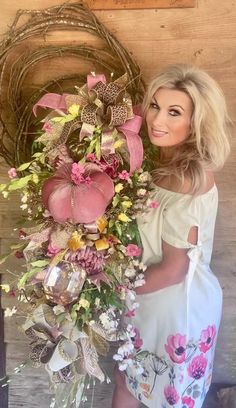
point(178, 324)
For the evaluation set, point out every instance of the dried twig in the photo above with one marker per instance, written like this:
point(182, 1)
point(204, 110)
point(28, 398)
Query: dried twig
point(17, 125)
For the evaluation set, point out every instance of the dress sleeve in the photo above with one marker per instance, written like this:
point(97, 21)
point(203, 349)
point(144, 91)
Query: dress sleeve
point(178, 219)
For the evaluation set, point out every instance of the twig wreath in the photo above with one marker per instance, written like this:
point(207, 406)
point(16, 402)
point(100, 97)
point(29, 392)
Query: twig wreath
point(16, 119)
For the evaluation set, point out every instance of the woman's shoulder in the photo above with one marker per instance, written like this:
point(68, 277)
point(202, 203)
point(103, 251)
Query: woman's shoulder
point(185, 187)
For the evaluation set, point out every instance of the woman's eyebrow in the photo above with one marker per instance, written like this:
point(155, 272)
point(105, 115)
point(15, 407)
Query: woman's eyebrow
point(177, 106)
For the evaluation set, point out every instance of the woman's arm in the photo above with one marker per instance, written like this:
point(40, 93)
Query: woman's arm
point(171, 270)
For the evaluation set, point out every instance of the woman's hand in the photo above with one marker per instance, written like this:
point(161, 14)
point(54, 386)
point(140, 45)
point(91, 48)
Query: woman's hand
point(170, 271)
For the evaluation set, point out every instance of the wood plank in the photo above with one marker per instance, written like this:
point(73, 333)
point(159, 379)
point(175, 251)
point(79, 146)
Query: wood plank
point(138, 4)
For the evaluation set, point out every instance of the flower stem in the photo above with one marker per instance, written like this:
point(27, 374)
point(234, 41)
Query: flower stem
point(188, 387)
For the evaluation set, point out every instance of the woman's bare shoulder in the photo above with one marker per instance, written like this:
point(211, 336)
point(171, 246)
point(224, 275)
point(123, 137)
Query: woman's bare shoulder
point(173, 184)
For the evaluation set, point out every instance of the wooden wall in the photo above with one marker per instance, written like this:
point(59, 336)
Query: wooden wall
point(205, 36)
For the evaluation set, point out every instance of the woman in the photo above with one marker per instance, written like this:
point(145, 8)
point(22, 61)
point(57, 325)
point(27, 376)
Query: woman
point(180, 304)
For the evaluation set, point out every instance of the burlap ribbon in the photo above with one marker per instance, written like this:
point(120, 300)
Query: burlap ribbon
point(61, 346)
point(106, 106)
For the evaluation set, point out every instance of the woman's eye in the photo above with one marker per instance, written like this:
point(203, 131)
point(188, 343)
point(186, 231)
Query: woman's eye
point(174, 112)
point(154, 105)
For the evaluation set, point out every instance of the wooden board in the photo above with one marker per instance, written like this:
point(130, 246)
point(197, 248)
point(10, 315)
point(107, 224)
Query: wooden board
point(138, 4)
point(204, 35)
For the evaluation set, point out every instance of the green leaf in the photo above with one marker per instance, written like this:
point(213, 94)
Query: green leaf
point(28, 275)
point(17, 184)
point(116, 200)
point(3, 258)
point(98, 149)
point(37, 154)
point(24, 166)
point(40, 263)
point(2, 187)
point(17, 246)
point(118, 228)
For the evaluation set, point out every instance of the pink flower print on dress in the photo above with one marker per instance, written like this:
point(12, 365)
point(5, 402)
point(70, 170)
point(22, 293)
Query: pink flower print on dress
point(176, 348)
point(197, 367)
point(188, 402)
point(171, 394)
point(207, 338)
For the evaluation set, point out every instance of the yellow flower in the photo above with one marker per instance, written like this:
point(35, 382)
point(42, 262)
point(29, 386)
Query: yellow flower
point(5, 287)
point(102, 244)
point(74, 109)
point(75, 242)
point(119, 187)
point(126, 204)
point(123, 217)
point(118, 143)
point(35, 178)
point(101, 223)
point(84, 303)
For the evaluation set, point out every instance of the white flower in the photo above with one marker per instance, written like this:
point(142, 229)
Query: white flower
point(139, 282)
point(117, 357)
point(10, 312)
point(130, 295)
point(142, 266)
point(126, 348)
point(5, 194)
point(130, 272)
point(97, 301)
point(58, 309)
point(123, 366)
point(144, 177)
point(24, 198)
point(23, 206)
point(141, 192)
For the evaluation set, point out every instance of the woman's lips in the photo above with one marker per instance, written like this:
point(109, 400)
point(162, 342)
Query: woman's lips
point(158, 133)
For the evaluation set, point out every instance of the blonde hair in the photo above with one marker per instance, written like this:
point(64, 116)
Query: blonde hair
point(207, 147)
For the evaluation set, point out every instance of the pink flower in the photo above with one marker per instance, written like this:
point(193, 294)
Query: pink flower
point(52, 250)
point(130, 313)
point(197, 367)
point(19, 254)
point(78, 174)
point(12, 173)
point(91, 157)
point(188, 402)
point(154, 204)
point(137, 342)
point(133, 250)
point(81, 201)
point(91, 260)
point(171, 394)
point(47, 127)
point(207, 338)
point(124, 175)
point(110, 165)
point(176, 348)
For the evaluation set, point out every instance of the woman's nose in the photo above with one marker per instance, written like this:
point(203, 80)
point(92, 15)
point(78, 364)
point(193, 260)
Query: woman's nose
point(159, 117)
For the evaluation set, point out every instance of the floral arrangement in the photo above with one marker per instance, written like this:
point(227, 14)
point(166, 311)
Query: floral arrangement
point(81, 193)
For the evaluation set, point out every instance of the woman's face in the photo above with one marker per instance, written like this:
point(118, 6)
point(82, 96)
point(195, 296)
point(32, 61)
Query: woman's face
point(168, 117)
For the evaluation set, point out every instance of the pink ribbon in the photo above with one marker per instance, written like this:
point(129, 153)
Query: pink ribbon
point(92, 80)
point(52, 101)
point(130, 130)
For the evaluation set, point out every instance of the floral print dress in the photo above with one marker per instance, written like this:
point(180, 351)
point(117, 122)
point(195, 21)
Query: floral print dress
point(178, 324)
